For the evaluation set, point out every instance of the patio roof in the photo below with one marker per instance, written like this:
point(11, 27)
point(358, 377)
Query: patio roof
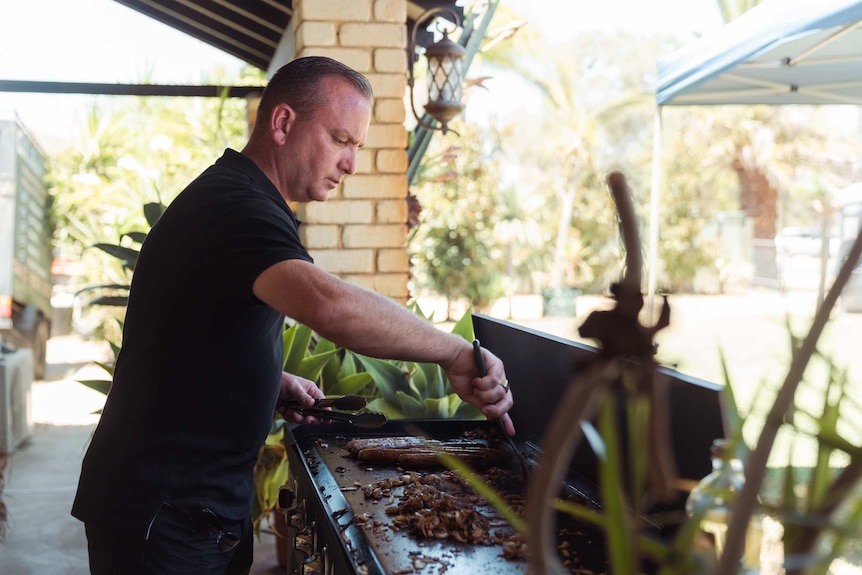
point(250, 31)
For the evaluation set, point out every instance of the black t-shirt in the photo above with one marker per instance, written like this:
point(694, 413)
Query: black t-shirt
point(198, 375)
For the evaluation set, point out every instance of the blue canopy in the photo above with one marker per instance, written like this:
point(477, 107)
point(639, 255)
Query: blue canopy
point(779, 52)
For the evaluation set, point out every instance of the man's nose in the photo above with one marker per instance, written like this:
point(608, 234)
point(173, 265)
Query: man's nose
point(348, 161)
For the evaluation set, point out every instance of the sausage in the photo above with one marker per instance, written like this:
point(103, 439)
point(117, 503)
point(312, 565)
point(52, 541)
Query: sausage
point(356, 445)
point(476, 455)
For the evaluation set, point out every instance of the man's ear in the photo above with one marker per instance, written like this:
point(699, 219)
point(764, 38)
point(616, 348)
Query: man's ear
point(280, 122)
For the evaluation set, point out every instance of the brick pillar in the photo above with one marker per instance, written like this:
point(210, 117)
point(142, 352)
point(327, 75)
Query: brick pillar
point(360, 233)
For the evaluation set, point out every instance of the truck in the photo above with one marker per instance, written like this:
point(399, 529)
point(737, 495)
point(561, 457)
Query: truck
point(25, 244)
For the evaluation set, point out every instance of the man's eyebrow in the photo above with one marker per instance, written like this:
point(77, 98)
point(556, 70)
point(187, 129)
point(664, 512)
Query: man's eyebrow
point(340, 133)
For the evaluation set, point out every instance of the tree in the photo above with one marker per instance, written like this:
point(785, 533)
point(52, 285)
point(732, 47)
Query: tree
point(453, 250)
point(758, 196)
point(578, 136)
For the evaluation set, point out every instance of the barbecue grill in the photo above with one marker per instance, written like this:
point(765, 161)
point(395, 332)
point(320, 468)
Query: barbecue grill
point(335, 529)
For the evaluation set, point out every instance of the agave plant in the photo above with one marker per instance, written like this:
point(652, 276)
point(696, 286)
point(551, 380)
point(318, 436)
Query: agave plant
point(417, 390)
point(820, 507)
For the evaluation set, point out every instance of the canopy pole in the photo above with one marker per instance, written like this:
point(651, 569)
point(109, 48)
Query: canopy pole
point(655, 210)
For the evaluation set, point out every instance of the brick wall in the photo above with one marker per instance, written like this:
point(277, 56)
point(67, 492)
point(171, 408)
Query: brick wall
point(360, 233)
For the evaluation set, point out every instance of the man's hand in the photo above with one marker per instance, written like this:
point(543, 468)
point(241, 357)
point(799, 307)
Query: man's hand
point(491, 393)
point(298, 389)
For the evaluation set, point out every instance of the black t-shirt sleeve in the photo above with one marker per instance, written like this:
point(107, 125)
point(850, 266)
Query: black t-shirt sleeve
point(250, 237)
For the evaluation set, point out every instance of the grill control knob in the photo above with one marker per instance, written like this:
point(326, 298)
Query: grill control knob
point(287, 497)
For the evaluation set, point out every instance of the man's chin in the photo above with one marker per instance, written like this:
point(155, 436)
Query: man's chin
point(321, 195)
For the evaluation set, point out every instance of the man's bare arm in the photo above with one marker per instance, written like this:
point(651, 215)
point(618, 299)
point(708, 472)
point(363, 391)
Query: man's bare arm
point(370, 324)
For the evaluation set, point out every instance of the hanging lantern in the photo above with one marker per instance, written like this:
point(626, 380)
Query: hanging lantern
point(445, 75)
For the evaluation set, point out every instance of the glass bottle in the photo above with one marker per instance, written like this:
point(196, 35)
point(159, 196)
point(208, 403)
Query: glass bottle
point(712, 498)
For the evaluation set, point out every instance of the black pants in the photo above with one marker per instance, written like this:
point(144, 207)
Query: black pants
point(177, 543)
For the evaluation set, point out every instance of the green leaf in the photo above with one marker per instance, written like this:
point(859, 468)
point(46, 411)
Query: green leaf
point(464, 326)
point(311, 366)
point(413, 391)
point(270, 473)
point(409, 404)
point(348, 364)
point(288, 336)
point(733, 420)
point(435, 408)
point(484, 490)
point(460, 409)
point(415, 308)
point(380, 405)
point(115, 349)
point(153, 211)
point(679, 558)
point(618, 527)
point(128, 256)
point(788, 493)
point(106, 366)
point(296, 347)
point(436, 381)
point(331, 370)
point(651, 547)
point(350, 385)
point(138, 237)
point(418, 379)
point(842, 538)
point(818, 487)
point(110, 300)
point(638, 412)
point(103, 386)
point(323, 345)
point(579, 511)
point(388, 378)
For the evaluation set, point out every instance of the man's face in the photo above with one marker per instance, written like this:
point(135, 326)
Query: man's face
point(322, 149)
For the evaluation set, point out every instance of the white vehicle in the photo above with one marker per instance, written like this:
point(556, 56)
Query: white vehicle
point(849, 202)
point(802, 241)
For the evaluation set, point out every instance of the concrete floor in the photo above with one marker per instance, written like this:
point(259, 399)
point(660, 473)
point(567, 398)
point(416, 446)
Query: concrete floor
point(42, 474)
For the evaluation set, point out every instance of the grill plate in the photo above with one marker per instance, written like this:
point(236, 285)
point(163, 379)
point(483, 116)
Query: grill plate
point(328, 479)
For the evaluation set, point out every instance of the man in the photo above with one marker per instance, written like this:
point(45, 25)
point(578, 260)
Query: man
point(166, 485)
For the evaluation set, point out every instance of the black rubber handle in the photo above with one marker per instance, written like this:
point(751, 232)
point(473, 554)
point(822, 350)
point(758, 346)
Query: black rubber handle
point(480, 361)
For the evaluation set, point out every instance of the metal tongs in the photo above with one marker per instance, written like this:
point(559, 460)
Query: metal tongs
point(480, 363)
point(343, 402)
point(367, 420)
